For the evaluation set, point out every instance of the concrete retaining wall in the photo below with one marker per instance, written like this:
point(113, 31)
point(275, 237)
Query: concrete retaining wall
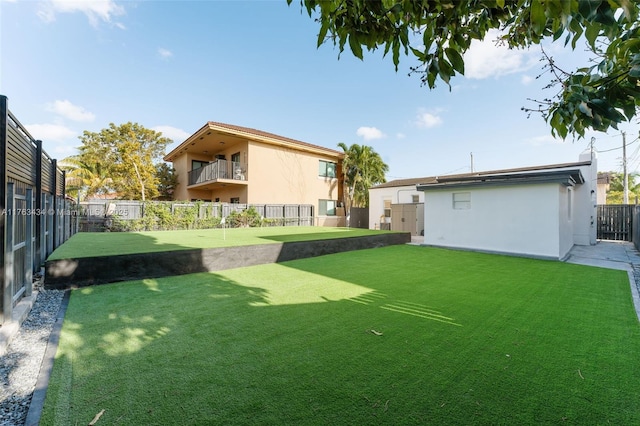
point(80, 272)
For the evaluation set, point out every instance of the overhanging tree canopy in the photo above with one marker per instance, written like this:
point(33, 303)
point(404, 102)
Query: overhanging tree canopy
point(437, 33)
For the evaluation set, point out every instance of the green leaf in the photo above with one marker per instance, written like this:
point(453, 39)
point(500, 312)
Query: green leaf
point(418, 54)
point(591, 33)
point(446, 70)
point(456, 59)
point(588, 8)
point(356, 47)
point(635, 71)
point(323, 32)
point(538, 18)
point(396, 52)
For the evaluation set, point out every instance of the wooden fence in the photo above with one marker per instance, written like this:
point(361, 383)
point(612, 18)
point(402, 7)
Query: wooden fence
point(35, 216)
point(93, 213)
point(615, 222)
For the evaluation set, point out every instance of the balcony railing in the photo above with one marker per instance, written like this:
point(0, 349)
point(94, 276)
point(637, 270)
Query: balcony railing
point(219, 169)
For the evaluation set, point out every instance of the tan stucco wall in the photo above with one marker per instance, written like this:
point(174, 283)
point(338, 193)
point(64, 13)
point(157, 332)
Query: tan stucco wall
point(182, 171)
point(274, 175)
point(283, 176)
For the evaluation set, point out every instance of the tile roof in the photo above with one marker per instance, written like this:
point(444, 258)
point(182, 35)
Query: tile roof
point(260, 133)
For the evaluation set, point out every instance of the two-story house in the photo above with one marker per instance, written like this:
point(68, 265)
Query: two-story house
point(226, 163)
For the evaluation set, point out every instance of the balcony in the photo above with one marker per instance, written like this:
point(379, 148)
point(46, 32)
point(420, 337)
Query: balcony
point(219, 170)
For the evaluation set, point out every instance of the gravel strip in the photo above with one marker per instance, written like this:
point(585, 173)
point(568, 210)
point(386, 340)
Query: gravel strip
point(20, 366)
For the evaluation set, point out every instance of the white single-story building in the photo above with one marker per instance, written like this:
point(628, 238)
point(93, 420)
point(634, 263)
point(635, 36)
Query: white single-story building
point(397, 199)
point(535, 211)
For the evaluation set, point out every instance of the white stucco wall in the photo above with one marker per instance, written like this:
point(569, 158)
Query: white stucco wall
point(567, 214)
point(586, 203)
point(397, 195)
point(519, 219)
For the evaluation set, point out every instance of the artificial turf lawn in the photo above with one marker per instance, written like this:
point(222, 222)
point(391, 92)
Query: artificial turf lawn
point(395, 335)
point(89, 244)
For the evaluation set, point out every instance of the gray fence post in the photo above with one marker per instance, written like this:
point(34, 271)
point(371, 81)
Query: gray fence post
point(41, 245)
point(54, 217)
point(28, 261)
point(50, 222)
point(7, 302)
point(39, 206)
point(4, 122)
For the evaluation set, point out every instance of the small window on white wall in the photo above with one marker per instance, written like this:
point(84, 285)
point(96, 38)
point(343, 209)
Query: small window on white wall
point(415, 198)
point(461, 200)
point(387, 208)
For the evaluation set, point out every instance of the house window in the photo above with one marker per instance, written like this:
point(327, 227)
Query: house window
point(415, 198)
point(387, 208)
point(196, 164)
point(327, 169)
point(461, 200)
point(235, 200)
point(327, 207)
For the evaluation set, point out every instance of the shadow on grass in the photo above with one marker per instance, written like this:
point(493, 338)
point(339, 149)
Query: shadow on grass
point(174, 259)
point(311, 342)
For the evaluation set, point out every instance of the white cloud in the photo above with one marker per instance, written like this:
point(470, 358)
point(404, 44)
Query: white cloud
point(369, 133)
point(485, 59)
point(400, 135)
point(428, 120)
point(173, 133)
point(68, 110)
point(164, 53)
point(51, 132)
point(95, 10)
point(526, 80)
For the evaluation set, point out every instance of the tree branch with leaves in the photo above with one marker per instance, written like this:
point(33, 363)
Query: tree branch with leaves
point(437, 34)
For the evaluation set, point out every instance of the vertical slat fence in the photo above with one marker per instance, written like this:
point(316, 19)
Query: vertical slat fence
point(31, 226)
point(615, 222)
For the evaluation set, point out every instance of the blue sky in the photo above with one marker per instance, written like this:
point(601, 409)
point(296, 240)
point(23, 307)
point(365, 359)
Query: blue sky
point(69, 66)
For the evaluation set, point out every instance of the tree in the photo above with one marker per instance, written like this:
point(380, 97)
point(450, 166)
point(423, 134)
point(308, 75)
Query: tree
point(615, 193)
point(167, 181)
point(128, 152)
point(85, 179)
point(437, 33)
point(362, 168)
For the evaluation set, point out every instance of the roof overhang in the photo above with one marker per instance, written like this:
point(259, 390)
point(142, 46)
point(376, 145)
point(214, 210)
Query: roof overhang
point(213, 135)
point(562, 177)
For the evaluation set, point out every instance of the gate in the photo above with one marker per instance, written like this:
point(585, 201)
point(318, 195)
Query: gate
point(615, 222)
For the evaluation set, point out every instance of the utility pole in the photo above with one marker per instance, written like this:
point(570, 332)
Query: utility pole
point(471, 154)
point(625, 177)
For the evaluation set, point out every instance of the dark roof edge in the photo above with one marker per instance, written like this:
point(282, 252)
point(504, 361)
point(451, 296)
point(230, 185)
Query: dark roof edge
point(566, 178)
point(425, 180)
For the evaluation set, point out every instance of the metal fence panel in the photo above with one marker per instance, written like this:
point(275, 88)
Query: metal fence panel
point(29, 181)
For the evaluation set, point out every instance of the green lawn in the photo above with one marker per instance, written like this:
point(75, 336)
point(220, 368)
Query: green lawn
point(89, 244)
point(396, 335)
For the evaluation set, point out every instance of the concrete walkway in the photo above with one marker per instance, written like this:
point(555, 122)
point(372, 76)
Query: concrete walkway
point(606, 254)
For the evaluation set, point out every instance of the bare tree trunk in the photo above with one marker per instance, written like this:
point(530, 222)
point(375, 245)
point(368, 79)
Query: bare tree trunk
point(135, 167)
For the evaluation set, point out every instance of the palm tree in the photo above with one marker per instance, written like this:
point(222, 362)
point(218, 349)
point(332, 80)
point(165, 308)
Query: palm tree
point(85, 178)
point(362, 168)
